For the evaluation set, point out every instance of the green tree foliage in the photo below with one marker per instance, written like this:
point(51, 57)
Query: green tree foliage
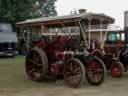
point(48, 8)
point(44, 8)
point(18, 10)
point(14, 10)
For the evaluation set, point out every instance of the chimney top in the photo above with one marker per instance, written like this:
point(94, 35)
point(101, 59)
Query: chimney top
point(82, 10)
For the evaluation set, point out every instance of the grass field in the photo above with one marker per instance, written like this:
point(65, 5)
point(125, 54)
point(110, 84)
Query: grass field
point(12, 74)
point(14, 82)
point(13, 78)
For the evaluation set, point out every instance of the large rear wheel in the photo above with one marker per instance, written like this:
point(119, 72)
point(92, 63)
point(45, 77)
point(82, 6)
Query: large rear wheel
point(36, 64)
point(95, 71)
point(74, 73)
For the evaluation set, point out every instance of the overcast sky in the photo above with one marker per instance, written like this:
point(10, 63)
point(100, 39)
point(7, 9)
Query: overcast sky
point(114, 8)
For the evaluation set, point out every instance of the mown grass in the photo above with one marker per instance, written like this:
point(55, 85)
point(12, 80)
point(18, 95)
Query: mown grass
point(12, 74)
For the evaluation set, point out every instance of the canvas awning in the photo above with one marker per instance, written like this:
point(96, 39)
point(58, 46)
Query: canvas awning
point(68, 20)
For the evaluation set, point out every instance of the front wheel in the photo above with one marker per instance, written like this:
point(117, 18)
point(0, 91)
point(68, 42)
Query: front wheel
point(116, 69)
point(95, 71)
point(74, 73)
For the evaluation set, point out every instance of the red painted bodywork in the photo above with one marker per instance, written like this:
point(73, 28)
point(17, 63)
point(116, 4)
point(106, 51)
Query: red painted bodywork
point(56, 53)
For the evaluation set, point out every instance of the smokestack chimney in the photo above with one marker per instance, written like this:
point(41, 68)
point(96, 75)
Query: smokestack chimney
point(126, 28)
point(82, 10)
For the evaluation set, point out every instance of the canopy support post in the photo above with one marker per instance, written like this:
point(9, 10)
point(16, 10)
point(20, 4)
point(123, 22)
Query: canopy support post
point(104, 40)
point(89, 34)
point(85, 40)
point(21, 29)
point(28, 39)
point(101, 34)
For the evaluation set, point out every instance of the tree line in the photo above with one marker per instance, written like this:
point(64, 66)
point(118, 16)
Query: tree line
point(13, 11)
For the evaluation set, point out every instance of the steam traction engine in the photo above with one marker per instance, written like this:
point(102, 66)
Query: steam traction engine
point(117, 45)
point(65, 54)
point(123, 56)
point(57, 59)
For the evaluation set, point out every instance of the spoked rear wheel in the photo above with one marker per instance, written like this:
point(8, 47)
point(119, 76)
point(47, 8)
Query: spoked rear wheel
point(74, 73)
point(95, 71)
point(36, 64)
point(117, 69)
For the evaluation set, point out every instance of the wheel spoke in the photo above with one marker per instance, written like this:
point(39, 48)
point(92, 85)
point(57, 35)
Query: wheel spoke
point(96, 77)
point(31, 61)
point(35, 58)
point(67, 73)
point(75, 66)
point(74, 73)
point(68, 68)
point(39, 65)
point(77, 70)
point(38, 58)
point(32, 70)
point(90, 74)
point(71, 66)
point(95, 72)
point(98, 71)
point(30, 66)
point(38, 70)
point(74, 78)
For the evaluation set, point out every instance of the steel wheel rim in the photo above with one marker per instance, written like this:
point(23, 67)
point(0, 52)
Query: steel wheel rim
point(95, 71)
point(116, 70)
point(72, 73)
point(34, 65)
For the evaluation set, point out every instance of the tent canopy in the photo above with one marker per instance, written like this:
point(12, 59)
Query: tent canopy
point(68, 20)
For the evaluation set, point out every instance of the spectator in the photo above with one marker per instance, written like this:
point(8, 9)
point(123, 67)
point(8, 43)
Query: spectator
point(94, 44)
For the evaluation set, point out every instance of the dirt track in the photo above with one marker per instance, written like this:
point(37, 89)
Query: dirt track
point(111, 87)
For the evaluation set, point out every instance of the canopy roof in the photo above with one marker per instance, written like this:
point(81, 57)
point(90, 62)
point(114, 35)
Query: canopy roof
point(68, 20)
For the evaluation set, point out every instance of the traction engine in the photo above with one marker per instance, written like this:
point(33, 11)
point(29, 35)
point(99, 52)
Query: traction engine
point(64, 56)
